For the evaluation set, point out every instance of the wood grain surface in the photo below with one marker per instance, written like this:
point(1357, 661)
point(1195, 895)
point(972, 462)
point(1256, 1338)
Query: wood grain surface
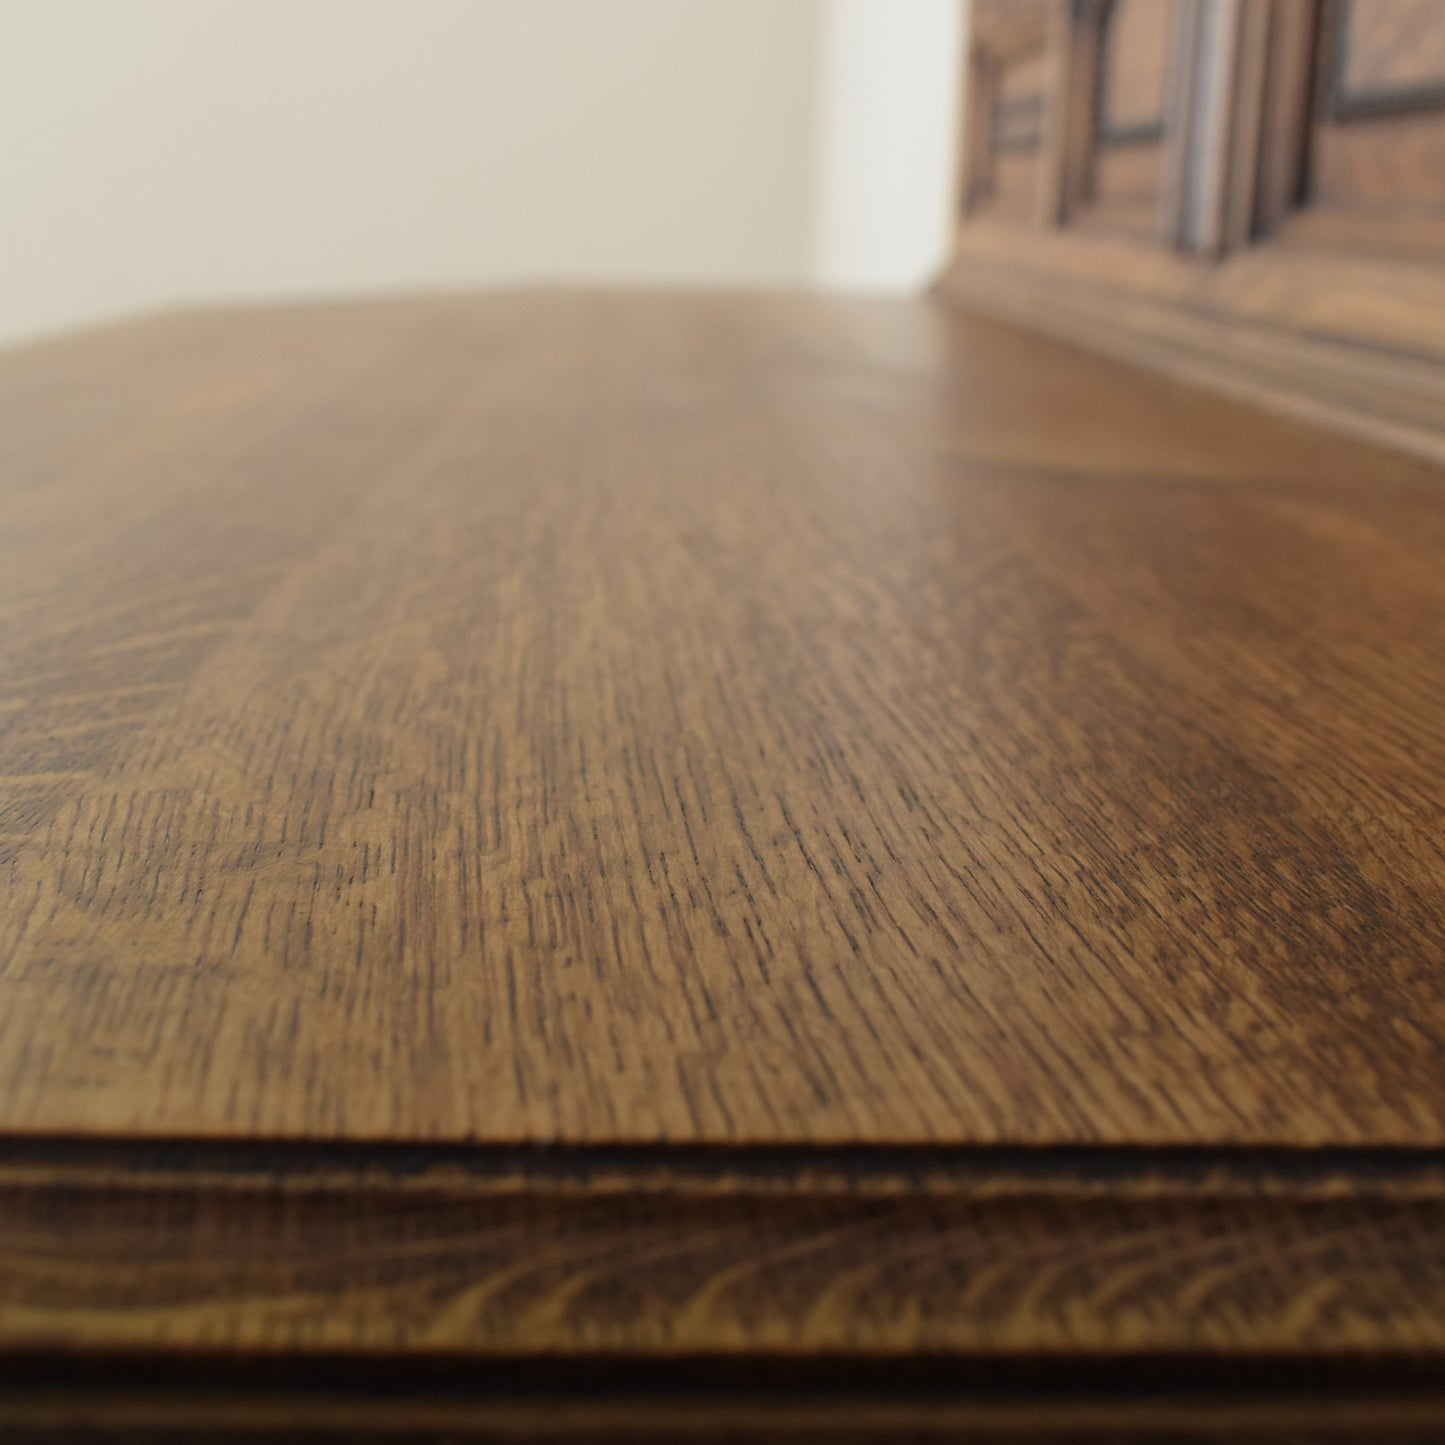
point(616, 719)
point(1014, 1259)
point(681, 1293)
point(615, 867)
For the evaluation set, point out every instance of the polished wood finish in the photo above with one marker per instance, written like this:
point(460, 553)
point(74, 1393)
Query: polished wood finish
point(828, 847)
point(577, 719)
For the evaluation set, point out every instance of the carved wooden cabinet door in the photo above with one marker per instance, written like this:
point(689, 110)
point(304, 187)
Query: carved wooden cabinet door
point(1376, 174)
point(1246, 191)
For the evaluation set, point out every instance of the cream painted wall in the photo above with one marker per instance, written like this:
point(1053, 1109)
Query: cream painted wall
point(887, 141)
point(163, 151)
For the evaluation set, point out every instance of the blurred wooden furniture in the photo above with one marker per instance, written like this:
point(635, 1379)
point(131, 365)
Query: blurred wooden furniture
point(1244, 193)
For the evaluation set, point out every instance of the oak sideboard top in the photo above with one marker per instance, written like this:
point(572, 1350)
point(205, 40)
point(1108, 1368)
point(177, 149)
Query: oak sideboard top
point(613, 719)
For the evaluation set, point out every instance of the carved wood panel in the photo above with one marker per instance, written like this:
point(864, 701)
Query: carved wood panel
point(1388, 55)
point(1008, 87)
point(1211, 124)
point(1132, 72)
point(1125, 178)
point(1378, 147)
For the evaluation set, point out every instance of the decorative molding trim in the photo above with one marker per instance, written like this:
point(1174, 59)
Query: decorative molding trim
point(1282, 1286)
point(1258, 327)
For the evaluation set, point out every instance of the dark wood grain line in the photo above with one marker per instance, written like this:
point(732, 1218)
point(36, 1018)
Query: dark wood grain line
point(743, 1169)
point(198, 1416)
